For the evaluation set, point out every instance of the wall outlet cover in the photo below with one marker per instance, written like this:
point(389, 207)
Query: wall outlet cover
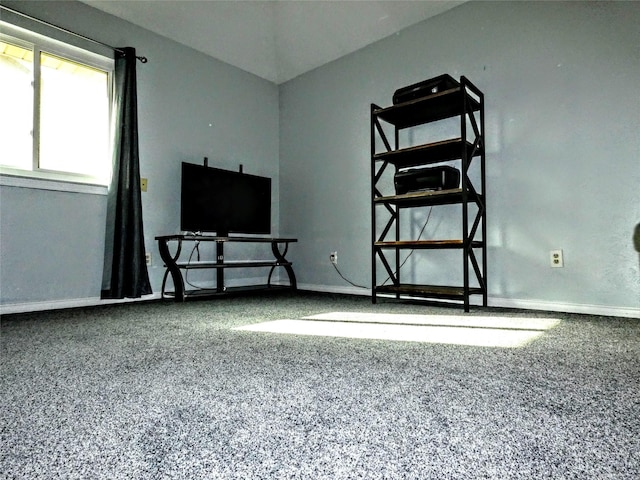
point(556, 259)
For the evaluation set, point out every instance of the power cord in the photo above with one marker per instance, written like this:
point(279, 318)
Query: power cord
point(195, 249)
point(346, 279)
point(401, 265)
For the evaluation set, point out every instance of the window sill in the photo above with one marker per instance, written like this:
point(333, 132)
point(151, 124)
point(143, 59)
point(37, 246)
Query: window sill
point(58, 185)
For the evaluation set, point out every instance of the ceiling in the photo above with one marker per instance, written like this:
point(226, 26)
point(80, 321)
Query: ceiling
point(274, 39)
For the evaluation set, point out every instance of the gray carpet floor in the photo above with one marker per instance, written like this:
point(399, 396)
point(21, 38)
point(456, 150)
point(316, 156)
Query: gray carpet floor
point(163, 390)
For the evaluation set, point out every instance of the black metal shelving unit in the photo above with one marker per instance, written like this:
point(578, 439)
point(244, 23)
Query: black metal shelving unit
point(467, 152)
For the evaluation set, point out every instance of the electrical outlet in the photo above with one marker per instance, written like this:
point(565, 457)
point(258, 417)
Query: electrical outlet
point(147, 257)
point(556, 259)
point(143, 184)
point(333, 256)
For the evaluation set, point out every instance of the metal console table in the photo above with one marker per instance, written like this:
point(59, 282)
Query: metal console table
point(174, 267)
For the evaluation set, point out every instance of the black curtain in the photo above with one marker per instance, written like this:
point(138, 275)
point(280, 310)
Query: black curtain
point(125, 270)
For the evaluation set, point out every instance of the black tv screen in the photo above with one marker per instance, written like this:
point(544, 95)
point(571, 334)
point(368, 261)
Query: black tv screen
point(223, 201)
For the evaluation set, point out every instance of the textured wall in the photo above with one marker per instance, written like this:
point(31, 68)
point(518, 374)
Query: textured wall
point(562, 118)
point(190, 106)
point(563, 172)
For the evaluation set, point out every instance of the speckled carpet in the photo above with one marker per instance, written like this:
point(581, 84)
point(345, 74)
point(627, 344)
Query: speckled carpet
point(237, 389)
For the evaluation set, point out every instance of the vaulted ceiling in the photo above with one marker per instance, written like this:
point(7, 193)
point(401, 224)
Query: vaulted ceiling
point(275, 39)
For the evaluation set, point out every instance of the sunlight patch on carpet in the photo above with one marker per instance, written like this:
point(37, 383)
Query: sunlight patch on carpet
point(511, 323)
point(503, 332)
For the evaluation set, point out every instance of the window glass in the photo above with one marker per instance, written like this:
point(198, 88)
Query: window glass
point(74, 117)
point(16, 119)
point(54, 109)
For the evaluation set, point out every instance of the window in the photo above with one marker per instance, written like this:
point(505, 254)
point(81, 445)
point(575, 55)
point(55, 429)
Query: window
point(55, 109)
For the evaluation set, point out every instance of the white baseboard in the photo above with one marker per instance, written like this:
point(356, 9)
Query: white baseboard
point(70, 303)
point(366, 292)
point(606, 310)
point(28, 307)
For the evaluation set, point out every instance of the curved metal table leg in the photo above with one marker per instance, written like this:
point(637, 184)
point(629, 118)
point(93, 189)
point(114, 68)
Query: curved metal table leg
point(172, 268)
point(283, 262)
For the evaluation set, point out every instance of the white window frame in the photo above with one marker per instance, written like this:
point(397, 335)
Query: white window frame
point(38, 177)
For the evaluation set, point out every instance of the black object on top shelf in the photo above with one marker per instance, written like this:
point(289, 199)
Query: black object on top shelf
point(424, 88)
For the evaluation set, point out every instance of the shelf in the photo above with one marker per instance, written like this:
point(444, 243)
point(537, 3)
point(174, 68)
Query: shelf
point(427, 154)
point(427, 198)
point(213, 238)
point(234, 264)
point(439, 106)
point(426, 244)
point(212, 292)
point(428, 291)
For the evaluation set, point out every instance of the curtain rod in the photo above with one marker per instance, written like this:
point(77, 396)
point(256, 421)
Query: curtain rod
point(142, 59)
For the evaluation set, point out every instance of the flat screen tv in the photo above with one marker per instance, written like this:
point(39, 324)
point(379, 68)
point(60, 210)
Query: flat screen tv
point(214, 200)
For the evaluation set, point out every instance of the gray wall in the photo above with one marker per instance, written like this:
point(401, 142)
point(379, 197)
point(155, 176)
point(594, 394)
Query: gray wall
point(562, 128)
point(190, 106)
point(563, 164)
point(50, 242)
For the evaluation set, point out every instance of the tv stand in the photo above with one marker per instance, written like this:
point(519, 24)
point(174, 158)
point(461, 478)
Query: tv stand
point(175, 267)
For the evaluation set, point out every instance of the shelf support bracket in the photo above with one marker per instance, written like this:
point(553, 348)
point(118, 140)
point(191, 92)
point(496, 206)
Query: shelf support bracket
point(387, 267)
point(476, 268)
point(383, 136)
